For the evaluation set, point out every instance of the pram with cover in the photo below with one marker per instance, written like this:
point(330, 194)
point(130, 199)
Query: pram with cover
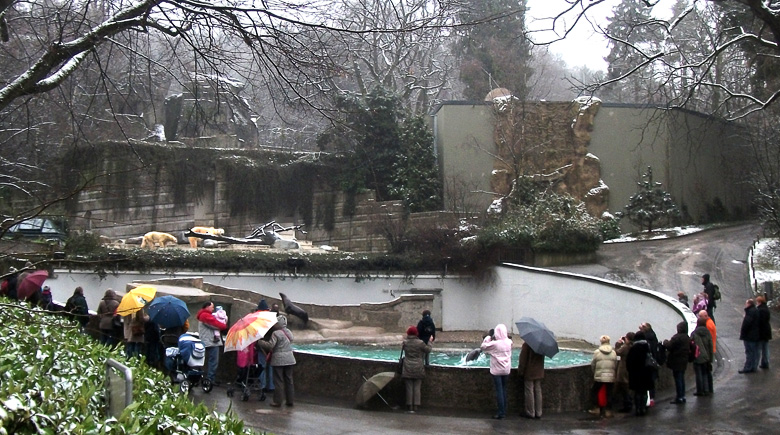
point(249, 376)
point(185, 363)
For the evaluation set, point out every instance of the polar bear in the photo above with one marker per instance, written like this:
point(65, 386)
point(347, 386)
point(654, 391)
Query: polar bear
point(204, 230)
point(155, 237)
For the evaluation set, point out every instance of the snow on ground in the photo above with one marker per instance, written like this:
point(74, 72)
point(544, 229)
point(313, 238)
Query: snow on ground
point(661, 233)
point(766, 262)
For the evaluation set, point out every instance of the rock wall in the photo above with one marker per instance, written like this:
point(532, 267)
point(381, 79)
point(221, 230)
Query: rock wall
point(549, 143)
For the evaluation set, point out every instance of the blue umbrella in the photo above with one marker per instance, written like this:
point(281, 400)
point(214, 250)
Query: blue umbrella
point(537, 336)
point(168, 311)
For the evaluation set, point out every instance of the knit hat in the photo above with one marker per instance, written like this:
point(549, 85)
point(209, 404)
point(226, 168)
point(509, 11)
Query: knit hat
point(46, 289)
point(412, 331)
point(262, 306)
point(604, 339)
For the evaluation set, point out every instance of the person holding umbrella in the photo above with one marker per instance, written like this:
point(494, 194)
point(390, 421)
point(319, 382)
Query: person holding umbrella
point(538, 342)
point(499, 346)
point(279, 344)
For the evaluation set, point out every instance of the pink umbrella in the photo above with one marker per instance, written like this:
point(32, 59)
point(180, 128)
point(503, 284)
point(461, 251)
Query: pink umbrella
point(31, 284)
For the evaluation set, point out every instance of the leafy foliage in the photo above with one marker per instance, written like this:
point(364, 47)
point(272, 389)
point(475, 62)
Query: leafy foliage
point(544, 222)
point(53, 382)
point(416, 176)
point(651, 206)
point(495, 54)
point(386, 150)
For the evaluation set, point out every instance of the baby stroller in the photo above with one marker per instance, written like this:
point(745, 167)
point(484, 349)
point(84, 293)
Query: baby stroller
point(249, 375)
point(185, 363)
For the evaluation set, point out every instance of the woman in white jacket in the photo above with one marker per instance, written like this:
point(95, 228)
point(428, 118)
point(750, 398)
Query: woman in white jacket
point(604, 365)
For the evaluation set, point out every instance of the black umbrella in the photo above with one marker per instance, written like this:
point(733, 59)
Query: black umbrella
point(538, 336)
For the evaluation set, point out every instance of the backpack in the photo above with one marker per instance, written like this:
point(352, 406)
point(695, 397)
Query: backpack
point(660, 354)
point(716, 293)
point(694, 351)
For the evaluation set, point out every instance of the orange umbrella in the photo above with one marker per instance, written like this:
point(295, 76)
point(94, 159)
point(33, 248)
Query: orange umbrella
point(249, 329)
point(136, 299)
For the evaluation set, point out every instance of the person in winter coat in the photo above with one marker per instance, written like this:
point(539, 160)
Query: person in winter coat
point(699, 303)
point(135, 331)
point(652, 341)
point(750, 336)
point(640, 377)
point(701, 363)
point(282, 360)
point(105, 312)
point(47, 301)
point(604, 366)
point(427, 330)
point(678, 348)
point(499, 346)
point(764, 331)
point(206, 327)
point(622, 391)
point(531, 369)
point(714, 334)
point(413, 371)
point(77, 307)
point(709, 290)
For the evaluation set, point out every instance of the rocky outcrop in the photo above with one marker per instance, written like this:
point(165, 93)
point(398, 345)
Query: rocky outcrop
point(548, 143)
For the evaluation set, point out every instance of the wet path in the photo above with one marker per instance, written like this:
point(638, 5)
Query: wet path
point(742, 404)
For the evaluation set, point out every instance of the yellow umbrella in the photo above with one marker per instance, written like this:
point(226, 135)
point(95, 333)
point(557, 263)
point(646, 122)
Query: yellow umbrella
point(249, 329)
point(136, 299)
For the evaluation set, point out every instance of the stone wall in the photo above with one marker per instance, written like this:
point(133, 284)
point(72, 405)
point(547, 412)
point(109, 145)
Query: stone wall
point(458, 388)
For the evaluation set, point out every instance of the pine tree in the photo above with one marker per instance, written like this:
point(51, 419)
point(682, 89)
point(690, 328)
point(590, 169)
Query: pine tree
point(651, 205)
point(497, 53)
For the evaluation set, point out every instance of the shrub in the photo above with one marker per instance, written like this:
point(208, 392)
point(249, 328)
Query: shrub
point(550, 223)
point(53, 382)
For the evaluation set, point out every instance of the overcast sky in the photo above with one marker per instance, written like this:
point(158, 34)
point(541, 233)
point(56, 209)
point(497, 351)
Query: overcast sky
point(582, 46)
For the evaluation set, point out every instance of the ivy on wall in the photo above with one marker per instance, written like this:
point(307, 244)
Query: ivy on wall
point(260, 184)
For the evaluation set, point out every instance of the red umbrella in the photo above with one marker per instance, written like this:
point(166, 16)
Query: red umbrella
point(31, 284)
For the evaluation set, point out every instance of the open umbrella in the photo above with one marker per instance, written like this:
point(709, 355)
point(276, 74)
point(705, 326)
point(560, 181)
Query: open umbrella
point(371, 387)
point(538, 336)
point(249, 329)
point(31, 284)
point(168, 311)
point(136, 299)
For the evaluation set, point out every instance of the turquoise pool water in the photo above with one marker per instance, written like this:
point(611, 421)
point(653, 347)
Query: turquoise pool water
point(445, 357)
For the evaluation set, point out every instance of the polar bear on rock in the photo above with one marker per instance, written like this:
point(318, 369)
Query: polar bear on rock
point(204, 230)
point(156, 237)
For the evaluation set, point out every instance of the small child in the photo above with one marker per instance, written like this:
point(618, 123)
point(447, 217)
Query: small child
point(683, 298)
point(222, 316)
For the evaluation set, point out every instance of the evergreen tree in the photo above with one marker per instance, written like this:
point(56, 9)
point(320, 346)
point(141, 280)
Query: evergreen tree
point(388, 151)
point(651, 205)
point(416, 175)
point(497, 53)
point(633, 39)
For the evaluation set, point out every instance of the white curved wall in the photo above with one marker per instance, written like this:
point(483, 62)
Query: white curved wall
point(573, 306)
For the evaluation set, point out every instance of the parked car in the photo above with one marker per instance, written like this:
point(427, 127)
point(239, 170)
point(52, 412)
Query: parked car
point(38, 228)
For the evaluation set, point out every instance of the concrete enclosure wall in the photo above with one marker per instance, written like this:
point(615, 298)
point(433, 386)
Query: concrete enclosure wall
point(573, 306)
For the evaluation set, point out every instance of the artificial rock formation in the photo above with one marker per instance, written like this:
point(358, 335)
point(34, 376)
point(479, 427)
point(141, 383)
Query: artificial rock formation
point(548, 142)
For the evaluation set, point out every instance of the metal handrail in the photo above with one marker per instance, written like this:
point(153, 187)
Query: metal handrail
point(128, 374)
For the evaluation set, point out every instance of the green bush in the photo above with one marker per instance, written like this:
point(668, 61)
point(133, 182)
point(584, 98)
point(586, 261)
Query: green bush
point(52, 382)
point(609, 227)
point(549, 223)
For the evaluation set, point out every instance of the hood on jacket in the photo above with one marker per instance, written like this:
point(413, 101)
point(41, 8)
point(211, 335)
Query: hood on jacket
point(500, 332)
point(605, 349)
point(109, 295)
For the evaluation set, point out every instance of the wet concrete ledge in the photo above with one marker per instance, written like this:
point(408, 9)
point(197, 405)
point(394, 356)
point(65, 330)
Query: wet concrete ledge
point(458, 388)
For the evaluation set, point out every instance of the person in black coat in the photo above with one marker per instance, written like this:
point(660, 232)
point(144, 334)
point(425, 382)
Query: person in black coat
point(764, 331)
point(427, 331)
point(750, 335)
point(640, 377)
point(652, 341)
point(709, 288)
point(678, 350)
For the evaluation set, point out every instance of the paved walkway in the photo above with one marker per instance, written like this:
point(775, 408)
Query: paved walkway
point(742, 404)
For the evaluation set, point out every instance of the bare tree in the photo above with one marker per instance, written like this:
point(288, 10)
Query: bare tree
point(743, 38)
